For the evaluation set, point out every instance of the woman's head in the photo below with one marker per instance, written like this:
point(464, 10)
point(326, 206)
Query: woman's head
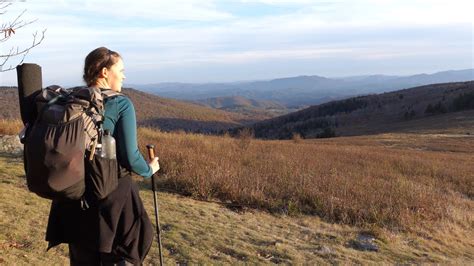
point(104, 68)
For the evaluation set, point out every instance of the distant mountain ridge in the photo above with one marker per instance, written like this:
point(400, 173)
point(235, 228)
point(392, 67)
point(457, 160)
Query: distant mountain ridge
point(303, 91)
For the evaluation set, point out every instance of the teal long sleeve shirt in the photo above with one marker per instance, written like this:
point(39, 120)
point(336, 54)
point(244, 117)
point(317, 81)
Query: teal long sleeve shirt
point(120, 119)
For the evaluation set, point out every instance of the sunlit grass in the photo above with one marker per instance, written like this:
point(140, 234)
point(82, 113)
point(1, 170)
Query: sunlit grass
point(362, 183)
point(198, 232)
point(10, 127)
point(412, 192)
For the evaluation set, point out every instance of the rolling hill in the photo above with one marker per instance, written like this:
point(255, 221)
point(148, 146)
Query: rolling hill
point(258, 109)
point(154, 111)
point(237, 101)
point(404, 110)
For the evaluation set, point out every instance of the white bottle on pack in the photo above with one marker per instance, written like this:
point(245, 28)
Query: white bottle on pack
point(108, 146)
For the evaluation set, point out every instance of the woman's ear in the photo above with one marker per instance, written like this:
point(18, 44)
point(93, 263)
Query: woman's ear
point(104, 72)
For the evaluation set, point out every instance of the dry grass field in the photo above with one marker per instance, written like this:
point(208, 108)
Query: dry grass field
point(398, 181)
point(296, 201)
point(197, 232)
point(421, 184)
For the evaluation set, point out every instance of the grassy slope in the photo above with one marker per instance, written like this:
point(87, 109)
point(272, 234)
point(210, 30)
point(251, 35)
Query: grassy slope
point(451, 123)
point(150, 106)
point(168, 114)
point(203, 232)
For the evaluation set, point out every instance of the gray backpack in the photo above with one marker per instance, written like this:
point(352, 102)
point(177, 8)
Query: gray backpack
point(61, 144)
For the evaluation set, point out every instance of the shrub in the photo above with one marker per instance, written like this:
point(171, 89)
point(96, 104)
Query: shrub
point(245, 136)
point(296, 138)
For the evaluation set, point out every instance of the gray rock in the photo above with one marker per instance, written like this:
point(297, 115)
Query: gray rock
point(324, 250)
point(11, 145)
point(364, 243)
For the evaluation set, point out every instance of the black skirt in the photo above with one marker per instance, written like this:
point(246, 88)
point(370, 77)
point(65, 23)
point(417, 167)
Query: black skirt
point(118, 224)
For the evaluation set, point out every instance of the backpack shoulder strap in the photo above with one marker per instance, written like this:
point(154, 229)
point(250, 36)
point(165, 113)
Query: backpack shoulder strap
point(107, 93)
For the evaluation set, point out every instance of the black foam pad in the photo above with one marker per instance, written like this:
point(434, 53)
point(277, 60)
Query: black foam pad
point(30, 83)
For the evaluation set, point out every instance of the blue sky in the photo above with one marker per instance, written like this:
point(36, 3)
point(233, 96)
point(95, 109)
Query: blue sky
point(233, 40)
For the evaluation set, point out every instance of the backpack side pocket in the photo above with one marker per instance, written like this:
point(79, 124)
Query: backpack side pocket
point(101, 176)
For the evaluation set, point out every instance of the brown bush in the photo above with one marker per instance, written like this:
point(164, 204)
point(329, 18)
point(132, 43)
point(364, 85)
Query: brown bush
point(245, 137)
point(340, 180)
point(296, 137)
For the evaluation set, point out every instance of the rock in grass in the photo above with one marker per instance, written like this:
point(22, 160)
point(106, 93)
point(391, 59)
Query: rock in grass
point(324, 250)
point(11, 145)
point(364, 243)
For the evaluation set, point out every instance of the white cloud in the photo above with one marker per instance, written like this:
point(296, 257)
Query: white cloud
point(183, 10)
point(159, 34)
point(191, 10)
point(284, 2)
point(382, 12)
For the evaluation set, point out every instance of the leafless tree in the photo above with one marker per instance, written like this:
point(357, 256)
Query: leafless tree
point(8, 30)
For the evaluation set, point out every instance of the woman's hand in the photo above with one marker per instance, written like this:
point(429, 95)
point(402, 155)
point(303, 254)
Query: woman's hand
point(154, 165)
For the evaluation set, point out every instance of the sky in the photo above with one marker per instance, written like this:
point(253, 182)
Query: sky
point(199, 41)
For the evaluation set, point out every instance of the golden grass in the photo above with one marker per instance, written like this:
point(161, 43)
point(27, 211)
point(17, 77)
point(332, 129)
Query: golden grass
point(23, 222)
point(196, 232)
point(10, 127)
point(414, 192)
point(153, 107)
point(349, 180)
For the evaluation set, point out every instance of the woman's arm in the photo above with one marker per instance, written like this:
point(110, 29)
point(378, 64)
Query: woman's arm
point(127, 146)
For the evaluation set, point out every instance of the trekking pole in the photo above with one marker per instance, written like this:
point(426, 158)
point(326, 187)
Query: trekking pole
point(151, 155)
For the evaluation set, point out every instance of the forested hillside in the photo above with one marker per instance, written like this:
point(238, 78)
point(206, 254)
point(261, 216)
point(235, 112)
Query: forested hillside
point(420, 107)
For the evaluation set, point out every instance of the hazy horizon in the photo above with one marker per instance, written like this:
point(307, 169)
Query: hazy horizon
point(264, 79)
point(309, 75)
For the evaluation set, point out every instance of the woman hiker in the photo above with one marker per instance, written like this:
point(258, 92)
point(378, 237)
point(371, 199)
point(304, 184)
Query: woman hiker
point(115, 230)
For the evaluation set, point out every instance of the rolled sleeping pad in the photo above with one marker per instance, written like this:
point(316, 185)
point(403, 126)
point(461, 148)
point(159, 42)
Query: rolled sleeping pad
point(30, 83)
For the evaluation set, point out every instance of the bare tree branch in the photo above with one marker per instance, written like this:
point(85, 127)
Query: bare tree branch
point(8, 31)
point(3, 7)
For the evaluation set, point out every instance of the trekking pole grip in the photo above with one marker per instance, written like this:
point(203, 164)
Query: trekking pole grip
point(151, 155)
point(151, 151)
